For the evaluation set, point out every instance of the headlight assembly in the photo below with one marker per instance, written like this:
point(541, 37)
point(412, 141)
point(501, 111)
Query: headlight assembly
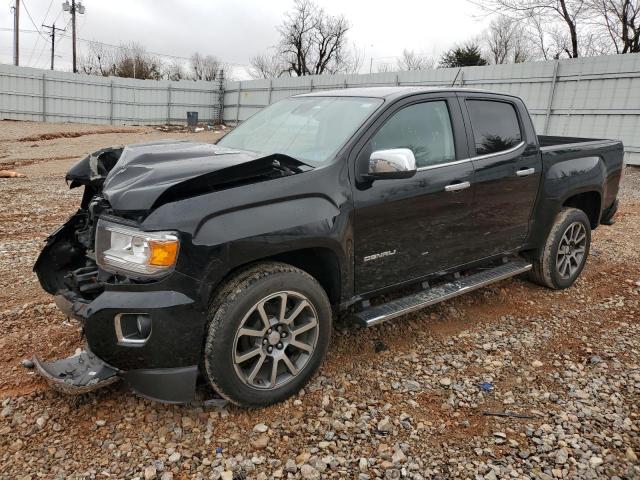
point(127, 250)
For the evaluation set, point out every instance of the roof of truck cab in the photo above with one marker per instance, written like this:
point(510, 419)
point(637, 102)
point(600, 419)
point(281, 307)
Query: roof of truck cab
point(389, 92)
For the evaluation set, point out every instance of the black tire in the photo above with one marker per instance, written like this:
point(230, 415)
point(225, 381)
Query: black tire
point(549, 268)
point(237, 304)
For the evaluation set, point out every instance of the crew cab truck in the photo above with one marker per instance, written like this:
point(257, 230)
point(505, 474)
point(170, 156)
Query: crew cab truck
point(226, 262)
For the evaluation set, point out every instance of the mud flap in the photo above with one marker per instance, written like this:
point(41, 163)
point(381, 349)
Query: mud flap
point(78, 374)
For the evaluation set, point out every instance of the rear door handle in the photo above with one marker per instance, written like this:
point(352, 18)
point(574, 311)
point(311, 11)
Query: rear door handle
point(523, 172)
point(454, 187)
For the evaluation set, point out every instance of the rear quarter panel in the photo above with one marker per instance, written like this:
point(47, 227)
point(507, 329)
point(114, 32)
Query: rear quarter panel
point(571, 169)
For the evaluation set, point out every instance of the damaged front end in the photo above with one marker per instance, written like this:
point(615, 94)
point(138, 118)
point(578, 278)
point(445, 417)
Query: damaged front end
point(144, 325)
point(67, 262)
point(66, 269)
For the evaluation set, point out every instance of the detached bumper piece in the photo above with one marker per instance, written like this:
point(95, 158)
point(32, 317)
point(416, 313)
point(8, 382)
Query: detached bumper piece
point(79, 374)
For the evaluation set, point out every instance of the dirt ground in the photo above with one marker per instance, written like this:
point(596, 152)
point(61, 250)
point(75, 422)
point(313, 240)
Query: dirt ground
point(430, 395)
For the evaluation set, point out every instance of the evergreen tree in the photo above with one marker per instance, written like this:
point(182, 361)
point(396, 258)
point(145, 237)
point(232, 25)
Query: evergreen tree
point(465, 56)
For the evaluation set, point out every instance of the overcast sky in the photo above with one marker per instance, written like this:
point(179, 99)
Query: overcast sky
point(235, 30)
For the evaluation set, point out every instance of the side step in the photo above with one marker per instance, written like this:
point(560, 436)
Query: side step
point(401, 306)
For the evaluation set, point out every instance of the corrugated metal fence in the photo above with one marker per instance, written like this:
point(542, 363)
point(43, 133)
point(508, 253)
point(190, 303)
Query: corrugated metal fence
point(590, 97)
point(49, 96)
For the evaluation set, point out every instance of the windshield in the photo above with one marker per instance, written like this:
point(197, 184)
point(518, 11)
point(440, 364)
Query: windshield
point(309, 129)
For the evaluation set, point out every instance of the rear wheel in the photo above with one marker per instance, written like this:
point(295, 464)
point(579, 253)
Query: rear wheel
point(559, 263)
point(269, 331)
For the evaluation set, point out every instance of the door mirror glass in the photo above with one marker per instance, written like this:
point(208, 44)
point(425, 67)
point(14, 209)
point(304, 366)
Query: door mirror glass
point(392, 163)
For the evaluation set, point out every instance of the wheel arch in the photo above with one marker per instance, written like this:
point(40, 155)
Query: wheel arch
point(322, 263)
point(590, 202)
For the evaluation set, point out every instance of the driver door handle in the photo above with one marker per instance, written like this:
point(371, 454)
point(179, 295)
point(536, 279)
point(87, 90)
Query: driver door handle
point(524, 172)
point(454, 187)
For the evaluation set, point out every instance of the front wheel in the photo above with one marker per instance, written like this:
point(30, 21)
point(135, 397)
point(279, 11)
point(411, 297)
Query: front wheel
point(560, 261)
point(268, 333)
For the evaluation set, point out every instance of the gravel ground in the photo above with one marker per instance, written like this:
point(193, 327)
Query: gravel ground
point(512, 381)
point(27, 143)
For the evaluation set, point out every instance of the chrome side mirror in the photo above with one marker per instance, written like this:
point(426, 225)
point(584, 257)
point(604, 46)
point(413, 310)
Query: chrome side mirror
point(392, 163)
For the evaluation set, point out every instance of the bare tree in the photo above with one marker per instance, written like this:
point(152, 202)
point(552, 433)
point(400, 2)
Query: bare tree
point(499, 39)
point(205, 67)
point(133, 61)
point(349, 61)
point(620, 22)
point(547, 13)
point(523, 50)
point(266, 65)
point(506, 41)
point(312, 42)
point(385, 67)
point(411, 60)
point(174, 70)
point(129, 61)
point(98, 61)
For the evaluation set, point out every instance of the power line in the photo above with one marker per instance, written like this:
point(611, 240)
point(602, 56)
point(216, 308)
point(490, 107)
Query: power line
point(45, 15)
point(74, 9)
point(44, 48)
point(16, 33)
point(53, 41)
point(177, 57)
point(24, 5)
point(40, 35)
point(53, 38)
point(123, 47)
point(33, 50)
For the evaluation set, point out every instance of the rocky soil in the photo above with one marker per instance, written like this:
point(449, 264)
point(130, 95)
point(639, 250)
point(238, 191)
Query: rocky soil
point(512, 381)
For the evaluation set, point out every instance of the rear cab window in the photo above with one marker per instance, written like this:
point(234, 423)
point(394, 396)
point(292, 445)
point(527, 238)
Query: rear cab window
point(494, 124)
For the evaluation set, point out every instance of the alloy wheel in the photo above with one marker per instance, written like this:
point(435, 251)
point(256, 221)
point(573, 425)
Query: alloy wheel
point(571, 250)
point(275, 340)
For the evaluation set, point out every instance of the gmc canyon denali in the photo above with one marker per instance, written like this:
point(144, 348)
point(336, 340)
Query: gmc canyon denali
point(226, 262)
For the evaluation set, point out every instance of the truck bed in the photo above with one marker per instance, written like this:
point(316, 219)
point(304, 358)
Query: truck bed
point(599, 160)
point(553, 142)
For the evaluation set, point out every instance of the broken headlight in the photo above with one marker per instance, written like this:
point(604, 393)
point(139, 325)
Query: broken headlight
point(127, 250)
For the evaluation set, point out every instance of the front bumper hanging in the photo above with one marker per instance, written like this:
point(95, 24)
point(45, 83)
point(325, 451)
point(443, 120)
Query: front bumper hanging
point(81, 373)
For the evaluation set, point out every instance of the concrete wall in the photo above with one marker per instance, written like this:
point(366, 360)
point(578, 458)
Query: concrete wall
point(596, 97)
point(44, 95)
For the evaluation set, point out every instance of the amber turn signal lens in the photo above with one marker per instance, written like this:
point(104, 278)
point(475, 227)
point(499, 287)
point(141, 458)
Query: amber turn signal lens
point(163, 253)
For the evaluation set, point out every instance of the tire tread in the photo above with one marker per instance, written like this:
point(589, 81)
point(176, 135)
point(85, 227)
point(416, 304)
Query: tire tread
point(225, 297)
point(543, 261)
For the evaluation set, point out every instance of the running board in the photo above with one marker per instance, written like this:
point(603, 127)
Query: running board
point(401, 306)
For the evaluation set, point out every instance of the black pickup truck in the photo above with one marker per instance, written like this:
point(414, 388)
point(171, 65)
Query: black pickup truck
point(227, 262)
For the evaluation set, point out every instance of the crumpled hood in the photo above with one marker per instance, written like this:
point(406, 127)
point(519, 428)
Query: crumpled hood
point(145, 172)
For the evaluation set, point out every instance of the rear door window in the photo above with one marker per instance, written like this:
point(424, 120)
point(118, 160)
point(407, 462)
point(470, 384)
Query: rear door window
point(495, 126)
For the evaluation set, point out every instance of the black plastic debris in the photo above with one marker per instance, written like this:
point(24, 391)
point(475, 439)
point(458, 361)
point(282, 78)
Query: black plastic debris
point(78, 374)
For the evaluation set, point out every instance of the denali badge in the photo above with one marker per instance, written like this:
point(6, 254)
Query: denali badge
point(376, 256)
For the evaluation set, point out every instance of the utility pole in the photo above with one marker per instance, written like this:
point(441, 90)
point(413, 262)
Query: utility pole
point(73, 8)
point(73, 27)
point(53, 39)
point(16, 33)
